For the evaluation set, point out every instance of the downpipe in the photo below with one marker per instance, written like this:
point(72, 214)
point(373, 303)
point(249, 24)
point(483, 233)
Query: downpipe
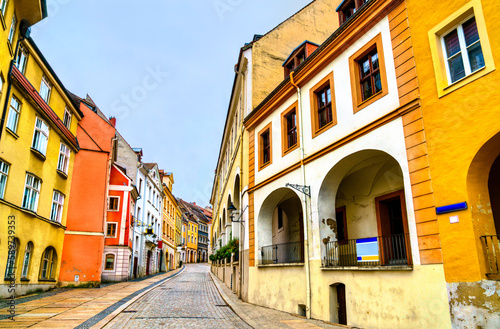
point(306, 205)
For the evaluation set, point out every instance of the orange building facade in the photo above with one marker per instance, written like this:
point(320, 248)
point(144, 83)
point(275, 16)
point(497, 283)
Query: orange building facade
point(85, 229)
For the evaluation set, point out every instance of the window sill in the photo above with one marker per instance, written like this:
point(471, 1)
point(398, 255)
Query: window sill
point(368, 268)
point(265, 165)
point(281, 265)
point(16, 136)
point(25, 280)
point(62, 174)
point(47, 280)
point(321, 130)
point(463, 79)
point(6, 279)
point(39, 154)
point(2, 19)
point(289, 150)
point(9, 45)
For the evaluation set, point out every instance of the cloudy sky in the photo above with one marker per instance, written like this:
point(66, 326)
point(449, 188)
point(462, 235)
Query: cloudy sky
point(163, 68)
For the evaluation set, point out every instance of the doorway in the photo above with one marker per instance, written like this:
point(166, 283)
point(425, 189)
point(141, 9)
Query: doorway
point(494, 190)
point(392, 229)
point(148, 260)
point(338, 305)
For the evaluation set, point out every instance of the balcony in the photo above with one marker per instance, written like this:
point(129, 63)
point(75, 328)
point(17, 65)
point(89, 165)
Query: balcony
point(285, 253)
point(491, 244)
point(384, 252)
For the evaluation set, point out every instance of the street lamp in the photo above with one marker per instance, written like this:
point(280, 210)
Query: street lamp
point(231, 210)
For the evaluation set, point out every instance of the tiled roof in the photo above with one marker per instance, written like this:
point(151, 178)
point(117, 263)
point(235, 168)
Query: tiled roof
point(149, 166)
point(35, 96)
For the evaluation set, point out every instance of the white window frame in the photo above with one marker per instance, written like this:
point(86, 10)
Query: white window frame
point(463, 50)
point(45, 92)
point(67, 118)
point(31, 194)
point(10, 268)
point(117, 205)
point(12, 30)
point(3, 6)
point(57, 206)
point(4, 173)
point(40, 136)
point(26, 260)
point(114, 262)
point(22, 59)
point(112, 224)
point(64, 155)
point(14, 114)
point(48, 263)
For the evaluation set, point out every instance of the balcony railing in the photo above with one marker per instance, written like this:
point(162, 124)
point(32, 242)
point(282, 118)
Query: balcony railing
point(393, 250)
point(284, 253)
point(491, 245)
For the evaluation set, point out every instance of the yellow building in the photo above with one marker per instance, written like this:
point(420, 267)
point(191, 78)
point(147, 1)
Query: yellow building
point(190, 232)
point(169, 249)
point(178, 234)
point(38, 146)
point(258, 71)
point(456, 53)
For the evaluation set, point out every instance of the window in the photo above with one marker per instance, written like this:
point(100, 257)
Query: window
point(14, 111)
point(280, 218)
point(26, 260)
point(45, 89)
point(140, 185)
point(348, 8)
point(57, 207)
point(110, 262)
point(4, 172)
point(368, 77)
point(265, 146)
point(63, 163)
point(22, 58)
point(322, 100)
point(289, 131)
point(49, 261)
point(3, 6)
point(114, 202)
point(40, 136)
point(12, 29)
point(111, 230)
point(460, 48)
point(10, 267)
point(31, 192)
point(67, 119)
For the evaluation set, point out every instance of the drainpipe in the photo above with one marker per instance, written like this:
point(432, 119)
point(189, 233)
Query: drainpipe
point(306, 213)
point(242, 228)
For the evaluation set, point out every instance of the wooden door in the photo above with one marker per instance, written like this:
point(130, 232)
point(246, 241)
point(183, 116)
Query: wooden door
point(341, 304)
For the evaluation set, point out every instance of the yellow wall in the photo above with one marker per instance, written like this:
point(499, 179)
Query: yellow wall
point(192, 229)
point(16, 150)
point(456, 126)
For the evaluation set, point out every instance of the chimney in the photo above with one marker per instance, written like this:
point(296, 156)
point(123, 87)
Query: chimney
point(112, 120)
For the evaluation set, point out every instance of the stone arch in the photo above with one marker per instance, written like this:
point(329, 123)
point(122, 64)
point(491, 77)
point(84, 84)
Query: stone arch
point(281, 228)
point(352, 204)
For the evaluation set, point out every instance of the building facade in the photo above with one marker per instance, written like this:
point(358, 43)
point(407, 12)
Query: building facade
point(91, 173)
point(456, 53)
point(169, 222)
point(117, 255)
point(38, 146)
point(257, 73)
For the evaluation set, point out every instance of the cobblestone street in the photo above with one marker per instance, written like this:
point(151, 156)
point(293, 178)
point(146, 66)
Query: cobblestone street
point(190, 300)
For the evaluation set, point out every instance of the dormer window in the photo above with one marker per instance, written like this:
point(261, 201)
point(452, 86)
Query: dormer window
point(348, 8)
point(298, 56)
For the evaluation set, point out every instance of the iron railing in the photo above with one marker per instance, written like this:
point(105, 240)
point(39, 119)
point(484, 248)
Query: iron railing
point(283, 253)
point(491, 245)
point(392, 250)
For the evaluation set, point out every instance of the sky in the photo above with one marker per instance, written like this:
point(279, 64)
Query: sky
point(163, 68)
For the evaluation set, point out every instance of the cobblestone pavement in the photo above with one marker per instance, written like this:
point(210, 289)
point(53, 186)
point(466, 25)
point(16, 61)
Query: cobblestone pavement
point(191, 300)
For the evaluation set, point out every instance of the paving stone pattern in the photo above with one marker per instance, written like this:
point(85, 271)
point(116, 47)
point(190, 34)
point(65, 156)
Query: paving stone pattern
point(190, 300)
